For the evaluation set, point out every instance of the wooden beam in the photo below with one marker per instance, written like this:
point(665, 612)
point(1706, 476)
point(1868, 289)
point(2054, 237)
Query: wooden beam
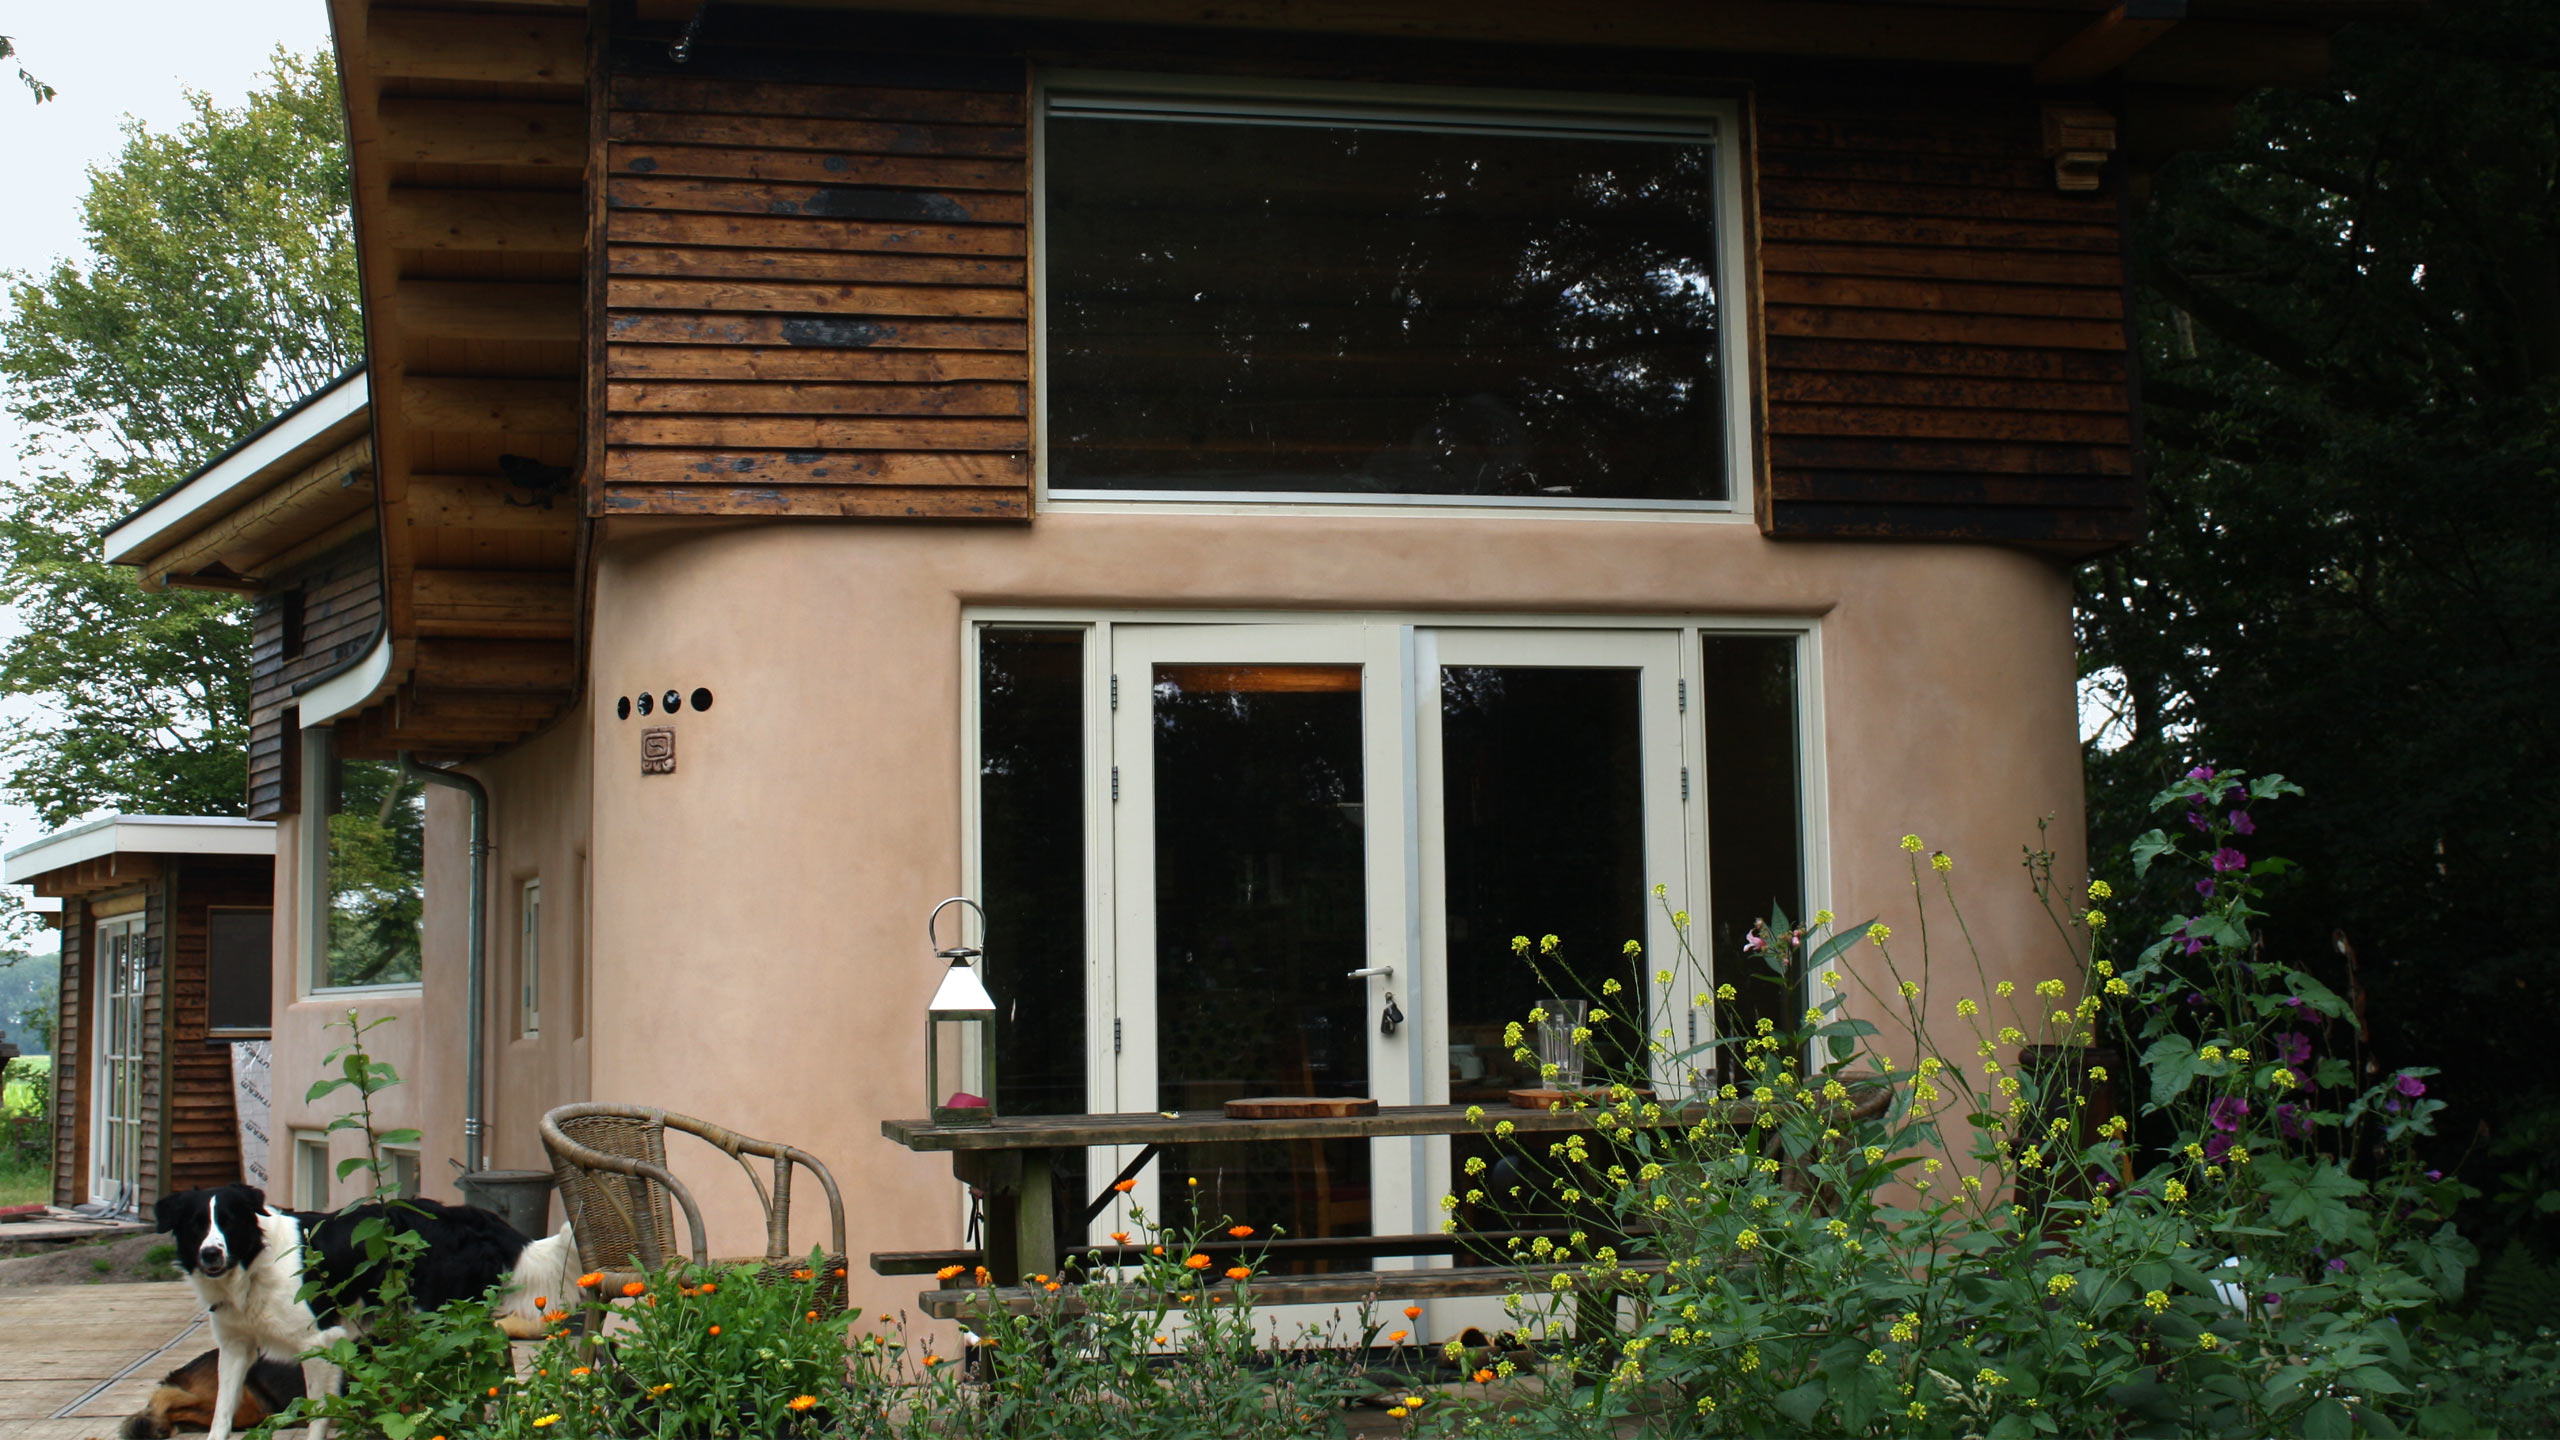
point(548, 666)
point(359, 523)
point(2108, 41)
point(495, 407)
point(480, 49)
point(322, 495)
point(501, 604)
point(483, 132)
point(483, 502)
point(523, 221)
point(481, 310)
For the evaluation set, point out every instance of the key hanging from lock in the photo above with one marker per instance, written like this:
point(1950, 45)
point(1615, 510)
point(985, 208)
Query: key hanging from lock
point(1393, 1017)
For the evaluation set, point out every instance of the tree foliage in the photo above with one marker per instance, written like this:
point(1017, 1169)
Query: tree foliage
point(219, 287)
point(2351, 331)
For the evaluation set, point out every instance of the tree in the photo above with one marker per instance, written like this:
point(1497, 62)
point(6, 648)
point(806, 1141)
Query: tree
point(35, 87)
point(219, 287)
point(2351, 332)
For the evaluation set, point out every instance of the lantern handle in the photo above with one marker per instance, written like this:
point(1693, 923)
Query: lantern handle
point(956, 952)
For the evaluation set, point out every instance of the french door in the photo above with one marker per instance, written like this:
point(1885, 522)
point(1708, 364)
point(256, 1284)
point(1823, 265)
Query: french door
point(115, 1140)
point(1322, 838)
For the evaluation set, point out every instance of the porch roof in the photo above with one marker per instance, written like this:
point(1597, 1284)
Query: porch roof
point(137, 835)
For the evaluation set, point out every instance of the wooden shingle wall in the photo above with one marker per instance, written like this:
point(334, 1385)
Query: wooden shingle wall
point(199, 1127)
point(71, 1061)
point(157, 998)
point(340, 595)
point(814, 299)
point(1946, 353)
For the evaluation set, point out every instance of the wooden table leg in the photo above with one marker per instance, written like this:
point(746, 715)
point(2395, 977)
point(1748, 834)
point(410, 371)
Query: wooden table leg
point(1035, 1216)
point(997, 1176)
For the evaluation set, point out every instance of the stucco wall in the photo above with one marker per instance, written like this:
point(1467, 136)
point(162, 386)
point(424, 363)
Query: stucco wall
point(756, 947)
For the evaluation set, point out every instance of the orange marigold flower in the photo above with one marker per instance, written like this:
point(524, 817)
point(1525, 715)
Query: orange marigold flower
point(1239, 1272)
point(1239, 1231)
point(715, 1329)
point(1484, 1377)
point(581, 1370)
point(803, 1402)
point(708, 1287)
point(1124, 1186)
point(634, 1287)
point(1196, 1262)
point(804, 1274)
point(983, 1274)
point(493, 1389)
point(932, 1360)
point(813, 1314)
point(1397, 1338)
point(1050, 1285)
point(555, 1316)
point(948, 1271)
point(541, 1302)
point(1155, 1249)
point(1413, 1312)
point(839, 1272)
point(591, 1280)
point(1120, 1237)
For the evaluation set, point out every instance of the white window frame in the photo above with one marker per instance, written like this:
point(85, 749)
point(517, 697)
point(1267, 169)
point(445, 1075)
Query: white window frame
point(1719, 120)
point(311, 872)
point(529, 959)
point(314, 1178)
point(1104, 1075)
point(406, 1175)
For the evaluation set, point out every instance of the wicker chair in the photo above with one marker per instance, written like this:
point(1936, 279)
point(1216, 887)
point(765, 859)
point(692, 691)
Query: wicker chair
point(611, 1165)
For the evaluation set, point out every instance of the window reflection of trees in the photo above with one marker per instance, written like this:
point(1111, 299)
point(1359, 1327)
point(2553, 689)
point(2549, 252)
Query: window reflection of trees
point(1240, 307)
point(377, 875)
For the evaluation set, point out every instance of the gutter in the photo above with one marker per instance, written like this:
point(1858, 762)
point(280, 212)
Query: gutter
point(477, 987)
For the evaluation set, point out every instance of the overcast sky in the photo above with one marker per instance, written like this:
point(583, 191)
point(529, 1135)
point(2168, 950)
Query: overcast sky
point(109, 60)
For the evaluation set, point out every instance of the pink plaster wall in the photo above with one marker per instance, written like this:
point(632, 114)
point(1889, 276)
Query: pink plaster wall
point(756, 951)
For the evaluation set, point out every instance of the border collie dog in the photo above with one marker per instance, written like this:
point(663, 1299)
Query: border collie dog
point(183, 1400)
point(247, 1264)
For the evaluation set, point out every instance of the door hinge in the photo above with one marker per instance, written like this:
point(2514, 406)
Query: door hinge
point(1115, 692)
point(1684, 784)
point(1115, 1031)
point(1684, 695)
point(1115, 785)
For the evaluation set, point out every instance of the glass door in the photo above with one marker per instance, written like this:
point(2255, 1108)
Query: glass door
point(1258, 913)
point(115, 1146)
point(1554, 791)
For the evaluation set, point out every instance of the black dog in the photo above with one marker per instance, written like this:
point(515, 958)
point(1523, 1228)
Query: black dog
point(246, 1263)
point(184, 1401)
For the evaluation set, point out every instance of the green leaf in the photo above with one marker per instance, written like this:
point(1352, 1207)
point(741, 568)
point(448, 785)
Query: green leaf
point(1804, 1402)
point(2150, 846)
point(2328, 1420)
point(2173, 1065)
point(2012, 1426)
point(351, 1165)
point(400, 1137)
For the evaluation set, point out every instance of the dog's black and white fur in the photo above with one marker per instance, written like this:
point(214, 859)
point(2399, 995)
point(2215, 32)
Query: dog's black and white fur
point(246, 1263)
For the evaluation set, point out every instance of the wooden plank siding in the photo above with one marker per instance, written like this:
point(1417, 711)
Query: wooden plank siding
point(815, 293)
point(340, 598)
point(71, 1060)
point(158, 1023)
point(198, 1125)
point(1944, 343)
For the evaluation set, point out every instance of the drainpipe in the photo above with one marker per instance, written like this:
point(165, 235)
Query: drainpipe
point(478, 985)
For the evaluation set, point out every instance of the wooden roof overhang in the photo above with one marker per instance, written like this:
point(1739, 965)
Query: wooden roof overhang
point(467, 128)
point(114, 851)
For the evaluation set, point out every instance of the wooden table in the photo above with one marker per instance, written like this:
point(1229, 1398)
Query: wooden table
point(1009, 1160)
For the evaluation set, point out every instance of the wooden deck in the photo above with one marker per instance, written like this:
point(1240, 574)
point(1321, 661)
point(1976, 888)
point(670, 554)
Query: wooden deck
point(79, 1358)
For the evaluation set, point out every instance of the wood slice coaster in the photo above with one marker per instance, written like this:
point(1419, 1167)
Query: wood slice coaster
point(1549, 1099)
point(1298, 1107)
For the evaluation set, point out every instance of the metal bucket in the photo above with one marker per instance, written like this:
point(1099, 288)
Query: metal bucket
point(521, 1197)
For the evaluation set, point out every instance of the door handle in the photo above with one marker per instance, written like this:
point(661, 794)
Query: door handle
point(1389, 971)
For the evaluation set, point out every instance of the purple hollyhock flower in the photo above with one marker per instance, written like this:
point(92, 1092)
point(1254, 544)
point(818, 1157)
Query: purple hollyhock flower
point(2215, 1147)
point(2198, 820)
point(2290, 1122)
point(2227, 1112)
point(2435, 1174)
point(2205, 887)
point(2193, 945)
point(2293, 1047)
point(2337, 1265)
point(2241, 824)
point(2392, 1106)
point(2410, 1085)
point(2201, 772)
point(2195, 998)
point(2227, 859)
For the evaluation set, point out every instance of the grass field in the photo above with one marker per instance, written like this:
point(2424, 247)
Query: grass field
point(22, 1182)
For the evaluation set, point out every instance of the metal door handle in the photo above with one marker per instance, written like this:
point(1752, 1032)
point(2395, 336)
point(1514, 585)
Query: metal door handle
point(1388, 971)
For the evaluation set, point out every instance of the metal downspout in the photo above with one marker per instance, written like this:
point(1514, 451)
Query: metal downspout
point(477, 987)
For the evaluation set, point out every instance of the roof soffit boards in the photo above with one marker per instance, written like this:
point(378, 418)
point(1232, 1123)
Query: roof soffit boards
point(137, 835)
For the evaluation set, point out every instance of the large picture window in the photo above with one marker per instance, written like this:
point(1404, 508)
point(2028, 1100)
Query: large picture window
point(369, 857)
point(1384, 301)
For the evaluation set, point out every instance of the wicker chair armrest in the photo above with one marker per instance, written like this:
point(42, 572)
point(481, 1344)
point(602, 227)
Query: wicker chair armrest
point(586, 1158)
point(737, 1145)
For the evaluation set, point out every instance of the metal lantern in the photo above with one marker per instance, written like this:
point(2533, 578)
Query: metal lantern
point(960, 1034)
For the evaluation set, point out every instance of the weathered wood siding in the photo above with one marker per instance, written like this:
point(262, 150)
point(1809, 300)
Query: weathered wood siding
point(199, 1126)
point(1945, 346)
point(71, 1061)
point(340, 595)
point(157, 998)
point(814, 295)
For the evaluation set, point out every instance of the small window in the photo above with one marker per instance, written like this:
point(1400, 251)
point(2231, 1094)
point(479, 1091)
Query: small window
point(529, 962)
point(404, 1172)
point(1379, 298)
point(239, 972)
point(1755, 815)
point(311, 1187)
point(370, 852)
point(289, 623)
